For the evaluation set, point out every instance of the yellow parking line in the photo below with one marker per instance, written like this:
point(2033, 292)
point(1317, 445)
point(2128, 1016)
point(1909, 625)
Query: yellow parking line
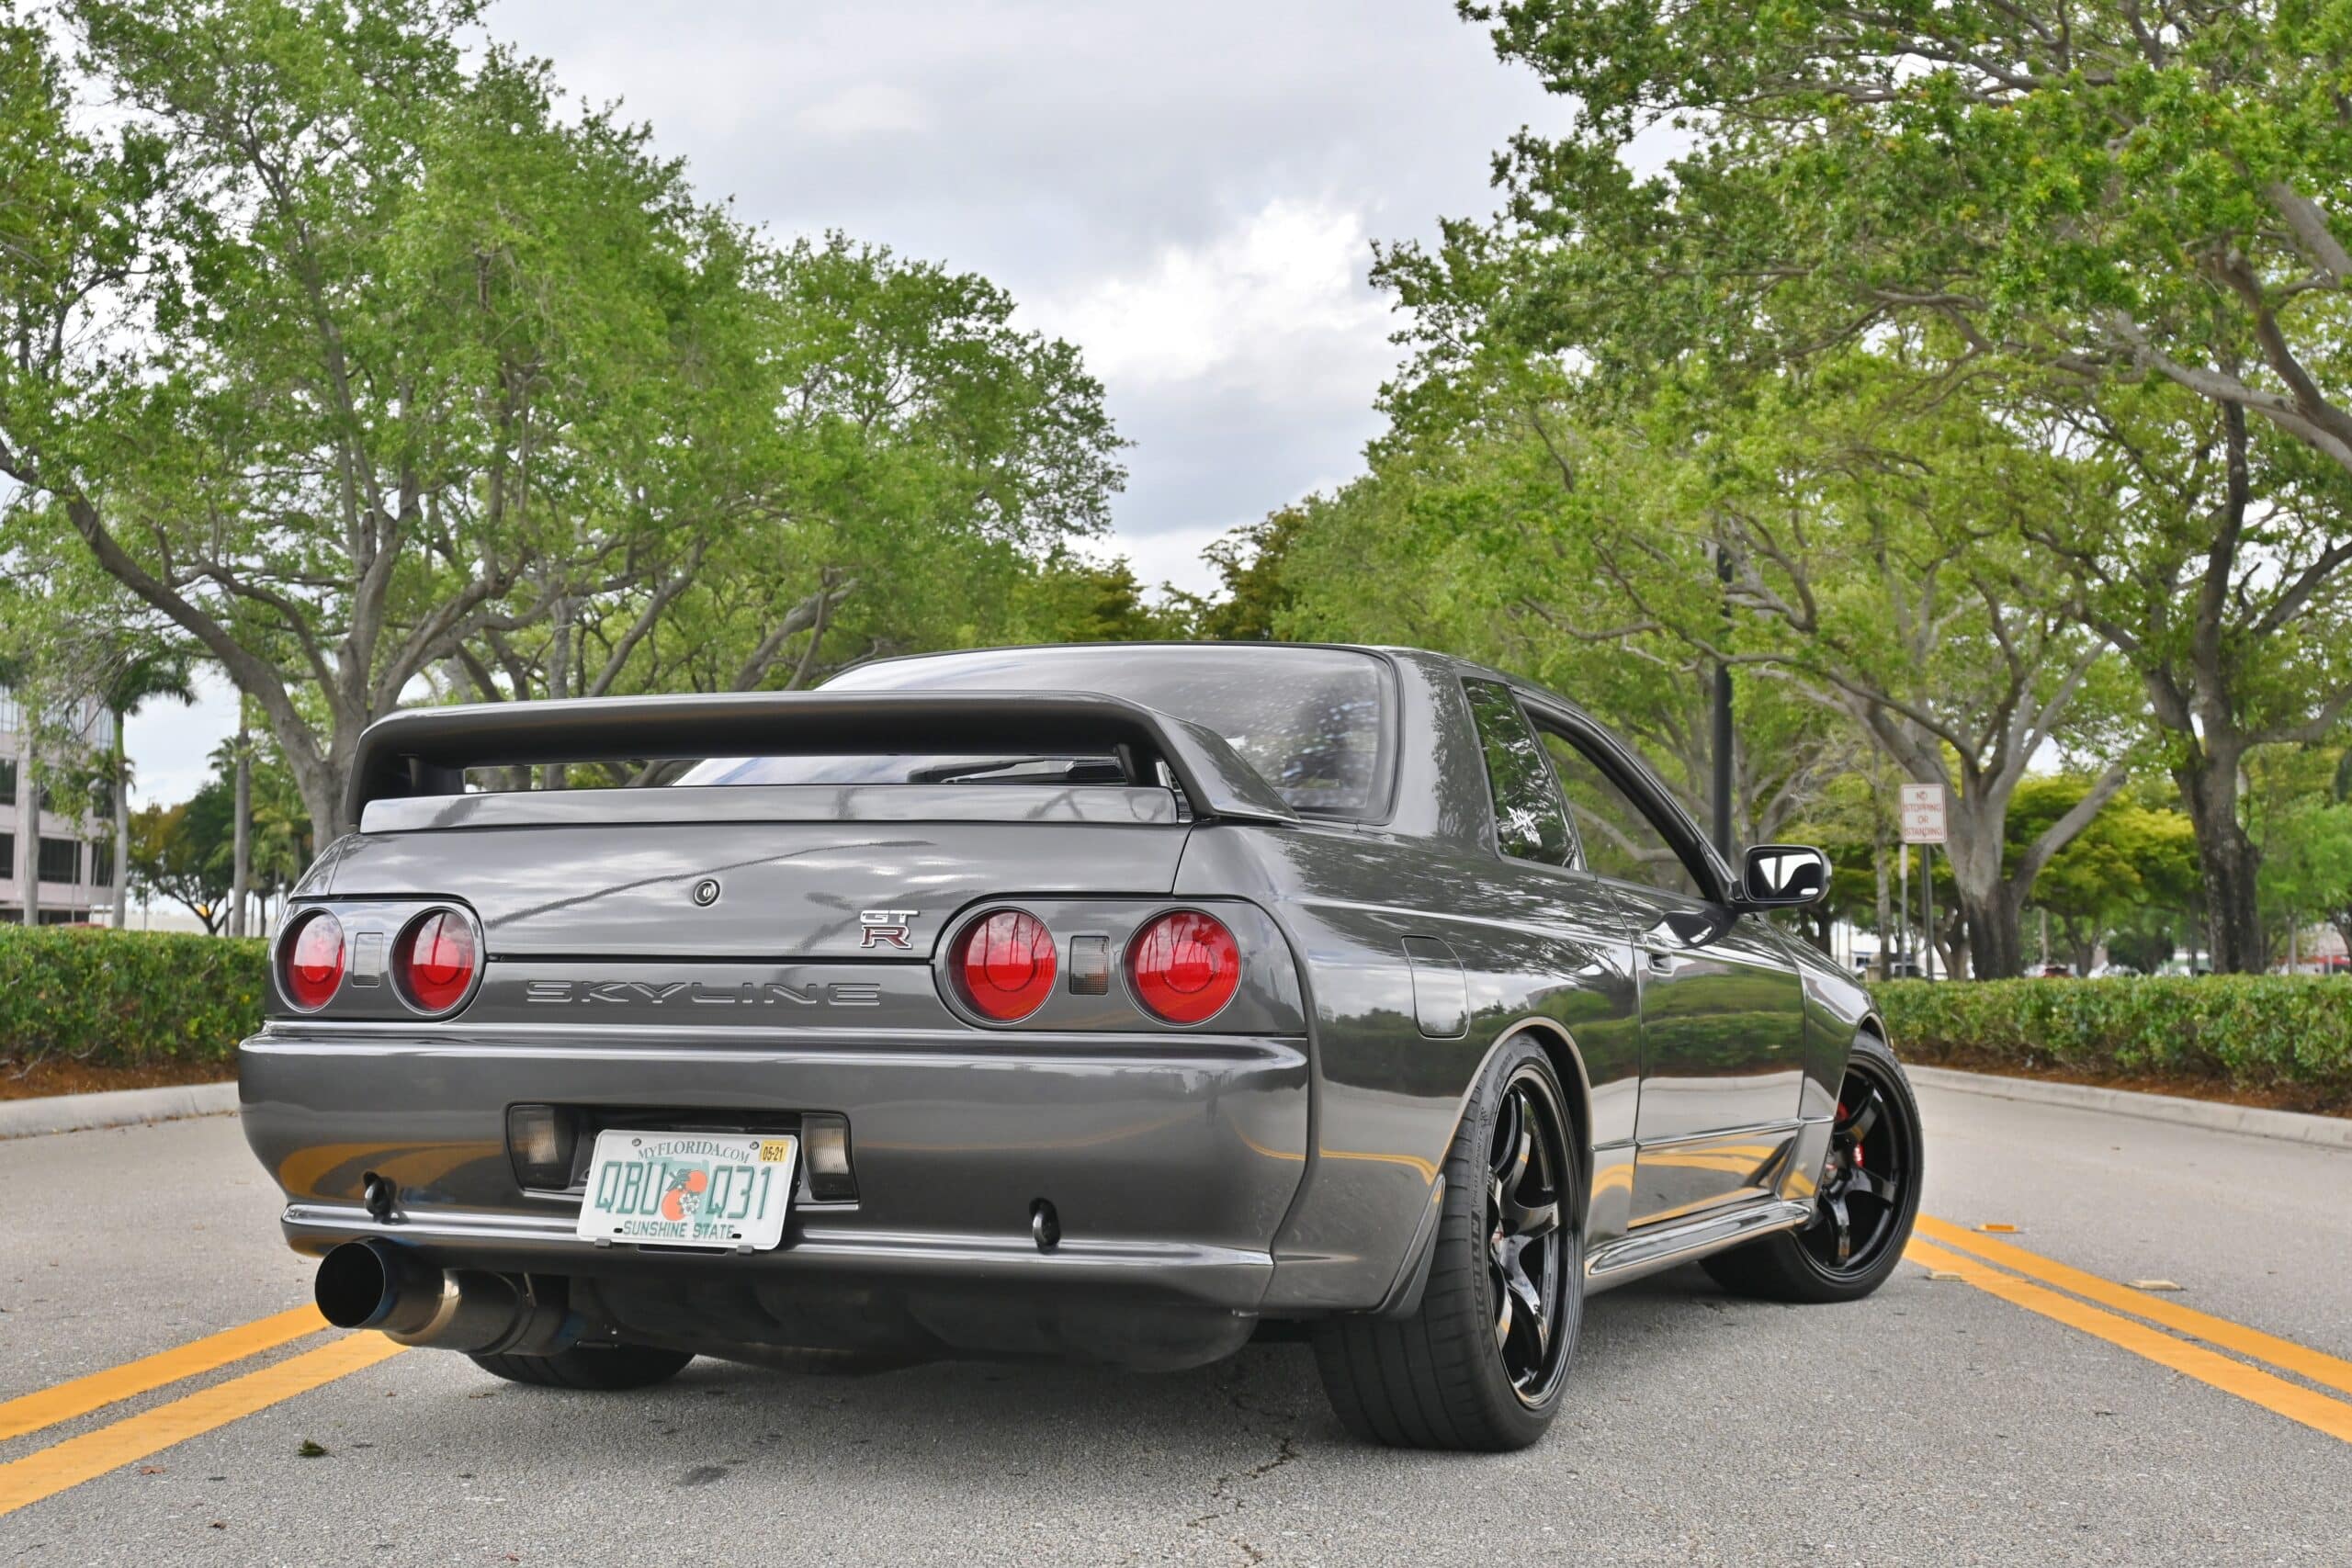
point(2284, 1354)
point(76, 1459)
point(31, 1412)
point(2317, 1411)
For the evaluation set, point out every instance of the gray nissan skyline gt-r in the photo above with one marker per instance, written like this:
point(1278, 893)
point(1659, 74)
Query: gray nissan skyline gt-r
point(1112, 1001)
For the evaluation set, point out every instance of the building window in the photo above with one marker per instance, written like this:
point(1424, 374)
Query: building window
point(8, 781)
point(60, 860)
point(102, 865)
point(7, 857)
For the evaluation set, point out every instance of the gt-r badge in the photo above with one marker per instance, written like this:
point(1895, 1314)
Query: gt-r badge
point(885, 927)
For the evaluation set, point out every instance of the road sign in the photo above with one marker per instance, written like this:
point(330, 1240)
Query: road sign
point(1923, 814)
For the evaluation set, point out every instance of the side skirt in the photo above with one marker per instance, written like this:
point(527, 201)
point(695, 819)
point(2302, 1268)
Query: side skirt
point(1662, 1246)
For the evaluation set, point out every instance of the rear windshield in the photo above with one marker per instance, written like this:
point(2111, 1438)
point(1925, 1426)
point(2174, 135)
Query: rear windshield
point(1312, 721)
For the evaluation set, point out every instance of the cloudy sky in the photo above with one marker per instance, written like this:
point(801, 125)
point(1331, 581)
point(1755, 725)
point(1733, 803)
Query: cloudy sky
point(1188, 192)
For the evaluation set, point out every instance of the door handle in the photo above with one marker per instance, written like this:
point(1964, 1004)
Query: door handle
point(1662, 963)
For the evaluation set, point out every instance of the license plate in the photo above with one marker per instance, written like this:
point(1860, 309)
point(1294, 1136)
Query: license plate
point(708, 1189)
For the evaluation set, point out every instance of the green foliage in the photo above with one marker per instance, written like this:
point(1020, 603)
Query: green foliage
point(356, 356)
point(2285, 1035)
point(126, 999)
point(1255, 594)
point(2118, 235)
point(2130, 859)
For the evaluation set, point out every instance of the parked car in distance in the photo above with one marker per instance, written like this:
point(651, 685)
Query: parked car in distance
point(1112, 1002)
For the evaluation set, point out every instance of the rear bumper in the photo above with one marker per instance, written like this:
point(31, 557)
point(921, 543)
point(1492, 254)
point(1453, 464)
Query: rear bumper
point(1171, 1162)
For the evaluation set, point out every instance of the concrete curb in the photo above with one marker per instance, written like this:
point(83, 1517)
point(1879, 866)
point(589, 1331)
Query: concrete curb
point(114, 1108)
point(2288, 1126)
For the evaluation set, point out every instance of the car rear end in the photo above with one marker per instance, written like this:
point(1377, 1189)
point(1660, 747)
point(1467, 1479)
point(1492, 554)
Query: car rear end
point(930, 1064)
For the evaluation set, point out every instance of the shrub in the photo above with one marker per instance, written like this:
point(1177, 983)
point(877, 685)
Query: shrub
point(2288, 1037)
point(126, 999)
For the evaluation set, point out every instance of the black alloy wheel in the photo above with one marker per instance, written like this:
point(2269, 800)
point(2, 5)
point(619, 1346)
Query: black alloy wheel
point(1526, 1258)
point(1480, 1360)
point(1864, 1205)
point(1858, 1209)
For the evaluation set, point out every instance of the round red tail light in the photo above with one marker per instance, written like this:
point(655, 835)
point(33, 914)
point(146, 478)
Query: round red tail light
point(1004, 965)
point(313, 969)
point(436, 959)
point(1185, 966)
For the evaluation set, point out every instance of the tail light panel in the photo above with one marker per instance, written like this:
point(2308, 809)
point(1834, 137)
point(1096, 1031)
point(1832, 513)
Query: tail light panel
point(1003, 964)
point(313, 959)
point(437, 961)
point(1185, 966)
point(1086, 964)
point(377, 960)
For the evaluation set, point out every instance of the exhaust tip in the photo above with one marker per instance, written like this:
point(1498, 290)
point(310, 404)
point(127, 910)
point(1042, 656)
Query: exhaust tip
point(353, 1286)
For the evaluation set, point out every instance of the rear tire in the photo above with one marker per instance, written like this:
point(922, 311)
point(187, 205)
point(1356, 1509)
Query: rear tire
point(595, 1368)
point(1867, 1200)
point(1481, 1363)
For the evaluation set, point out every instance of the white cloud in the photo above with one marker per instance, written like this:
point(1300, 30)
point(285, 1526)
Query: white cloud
point(1281, 296)
point(864, 109)
point(1170, 558)
point(171, 745)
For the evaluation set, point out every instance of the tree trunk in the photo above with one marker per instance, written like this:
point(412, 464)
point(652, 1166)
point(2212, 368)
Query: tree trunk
point(2227, 859)
point(121, 828)
point(240, 875)
point(1885, 903)
point(1995, 944)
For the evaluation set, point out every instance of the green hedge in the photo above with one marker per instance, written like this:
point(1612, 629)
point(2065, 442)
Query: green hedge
point(2277, 1036)
point(126, 999)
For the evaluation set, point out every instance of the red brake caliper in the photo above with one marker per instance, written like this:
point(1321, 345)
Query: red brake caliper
point(1857, 1148)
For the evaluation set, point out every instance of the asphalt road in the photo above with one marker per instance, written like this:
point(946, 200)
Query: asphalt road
point(2007, 1412)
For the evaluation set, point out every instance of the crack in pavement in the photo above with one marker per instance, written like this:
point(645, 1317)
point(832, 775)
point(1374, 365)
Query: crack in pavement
point(1226, 1493)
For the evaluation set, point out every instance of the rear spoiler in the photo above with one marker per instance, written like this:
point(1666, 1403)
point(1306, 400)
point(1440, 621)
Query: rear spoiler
point(425, 751)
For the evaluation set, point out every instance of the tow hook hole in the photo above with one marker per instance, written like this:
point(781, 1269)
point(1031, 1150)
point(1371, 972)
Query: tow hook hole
point(379, 1192)
point(1045, 1224)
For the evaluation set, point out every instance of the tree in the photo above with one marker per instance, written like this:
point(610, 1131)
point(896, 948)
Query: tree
point(1846, 539)
point(174, 853)
point(2218, 581)
point(1467, 537)
point(1254, 595)
point(2130, 859)
point(2096, 206)
point(320, 407)
point(2094, 187)
point(376, 375)
point(2301, 820)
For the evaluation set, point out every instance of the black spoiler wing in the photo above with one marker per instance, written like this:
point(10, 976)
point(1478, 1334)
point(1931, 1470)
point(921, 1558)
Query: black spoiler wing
point(425, 751)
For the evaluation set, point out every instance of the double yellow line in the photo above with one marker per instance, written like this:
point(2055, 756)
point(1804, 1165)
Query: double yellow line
point(53, 1469)
point(2187, 1341)
point(2015, 1281)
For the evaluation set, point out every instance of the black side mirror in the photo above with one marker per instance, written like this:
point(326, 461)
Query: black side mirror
point(1782, 876)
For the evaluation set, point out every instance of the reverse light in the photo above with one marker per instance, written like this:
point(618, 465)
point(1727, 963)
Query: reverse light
point(824, 1141)
point(313, 969)
point(436, 959)
point(1185, 966)
point(540, 1140)
point(1004, 963)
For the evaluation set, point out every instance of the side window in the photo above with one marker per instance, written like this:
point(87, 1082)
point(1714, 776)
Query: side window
point(1529, 824)
point(1619, 837)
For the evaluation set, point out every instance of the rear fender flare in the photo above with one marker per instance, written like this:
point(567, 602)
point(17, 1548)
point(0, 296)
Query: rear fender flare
point(1403, 1296)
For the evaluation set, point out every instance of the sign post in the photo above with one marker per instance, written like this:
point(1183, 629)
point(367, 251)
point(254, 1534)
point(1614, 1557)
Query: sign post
point(1923, 824)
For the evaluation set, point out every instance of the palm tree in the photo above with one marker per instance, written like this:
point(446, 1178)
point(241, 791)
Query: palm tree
point(126, 684)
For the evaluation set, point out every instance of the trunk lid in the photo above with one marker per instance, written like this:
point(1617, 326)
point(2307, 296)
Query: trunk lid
point(779, 874)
